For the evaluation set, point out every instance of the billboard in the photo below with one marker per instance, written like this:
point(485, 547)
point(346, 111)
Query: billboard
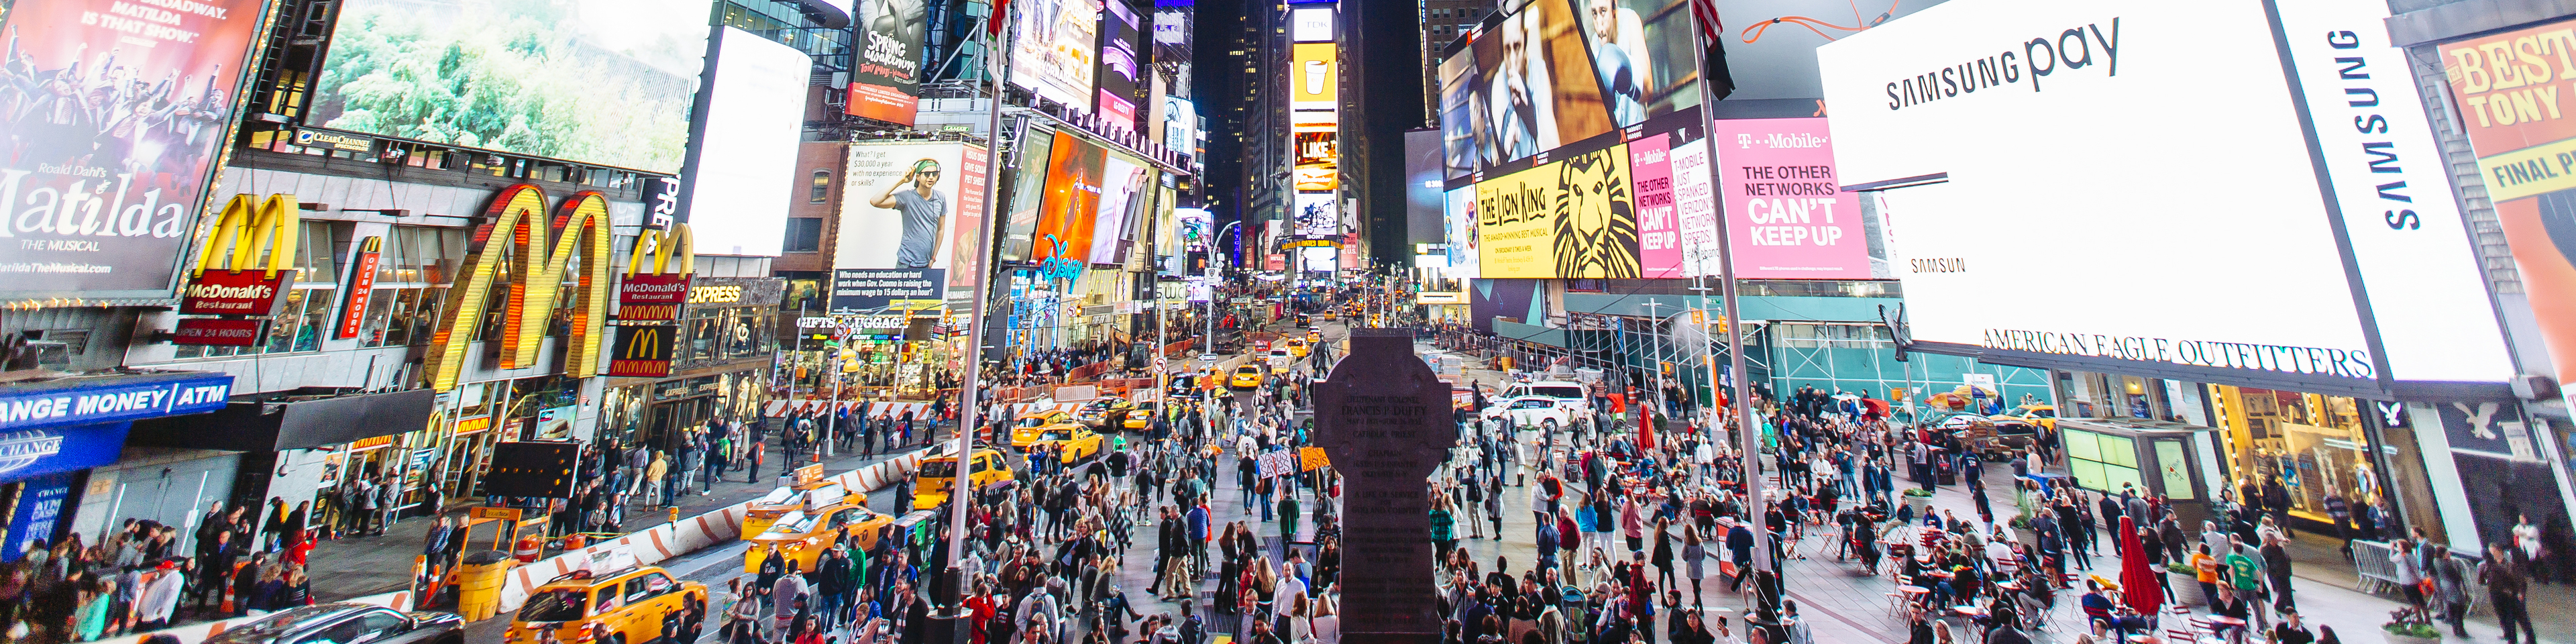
point(113, 139)
point(1459, 213)
point(1053, 50)
point(1787, 216)
point(1119, 82)
point(1315, 74)
point(2309, 206)
point(1310, 24)
point(1422, 188)
point(886, 84)
point(607, 82)
point(910, 215)
point(1771, 44)
point(1070, 206)
point(1172, 49)
point(1028, 191)
point(1318, 160)
point(2501, 87)
point(1122, 184)
point(1572, 218)
point(1315, 215)
point(755, 107)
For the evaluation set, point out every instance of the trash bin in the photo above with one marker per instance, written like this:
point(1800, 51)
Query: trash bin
point(478, 583)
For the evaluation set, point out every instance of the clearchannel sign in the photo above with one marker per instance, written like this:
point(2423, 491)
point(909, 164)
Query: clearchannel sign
point(2308, 229)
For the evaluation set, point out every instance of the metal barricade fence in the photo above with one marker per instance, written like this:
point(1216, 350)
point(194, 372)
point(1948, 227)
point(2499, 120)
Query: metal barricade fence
point(2370, 563)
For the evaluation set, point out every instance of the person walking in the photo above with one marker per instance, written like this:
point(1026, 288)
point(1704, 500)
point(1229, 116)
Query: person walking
point(2506, 587)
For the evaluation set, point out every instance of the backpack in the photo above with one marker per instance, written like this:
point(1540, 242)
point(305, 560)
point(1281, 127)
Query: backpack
point(1192, 632)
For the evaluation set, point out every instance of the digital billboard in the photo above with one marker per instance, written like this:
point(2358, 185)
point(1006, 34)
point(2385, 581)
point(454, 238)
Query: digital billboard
point(1172, 48)
point(1771, 44)
point(1318, 161)
point(886, 84)
point(1070, 206)
point(1422, 188)
point(1310, 24)
point(910, 215)
point(755, 106)
point(1122, 184)
point(114, 135)
point(1119, 29)
point(2311, 205)
point(1027, 171)
point(1316, 216)
point(1570, 218)
point(1787, 216)
point(1314, 81)
point(1053, 50)
point(608, 82)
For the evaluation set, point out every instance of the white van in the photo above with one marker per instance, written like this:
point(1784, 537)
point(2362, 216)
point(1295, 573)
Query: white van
point(1569, 395)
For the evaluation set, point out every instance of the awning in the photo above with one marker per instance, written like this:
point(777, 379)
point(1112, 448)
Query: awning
point(294, 421)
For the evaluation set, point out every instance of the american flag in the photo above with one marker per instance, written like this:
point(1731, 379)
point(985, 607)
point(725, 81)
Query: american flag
point(1712, 36)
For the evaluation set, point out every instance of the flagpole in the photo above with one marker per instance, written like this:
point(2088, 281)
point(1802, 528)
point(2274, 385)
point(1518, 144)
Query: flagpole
point(961, 476)
point(1766, 571)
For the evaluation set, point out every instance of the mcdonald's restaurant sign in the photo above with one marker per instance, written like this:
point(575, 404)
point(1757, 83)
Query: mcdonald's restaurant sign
point(233, 279)
point(643, 350)
point(518, 230)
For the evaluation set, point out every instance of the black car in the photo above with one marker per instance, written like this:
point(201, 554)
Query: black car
point(347, 624)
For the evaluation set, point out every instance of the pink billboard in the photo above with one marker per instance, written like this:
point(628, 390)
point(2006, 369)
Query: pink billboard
point(1650, 170)
point(1787, 216)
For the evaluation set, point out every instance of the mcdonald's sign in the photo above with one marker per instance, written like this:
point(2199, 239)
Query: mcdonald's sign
point(516, 230)
point(643, 351)
point(362, 284)
point(231, 276)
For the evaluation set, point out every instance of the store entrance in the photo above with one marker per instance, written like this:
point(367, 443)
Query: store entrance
point(667, 418)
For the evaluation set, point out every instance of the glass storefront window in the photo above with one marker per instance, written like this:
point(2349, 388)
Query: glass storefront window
point(2101, 461)
point(2314, 443)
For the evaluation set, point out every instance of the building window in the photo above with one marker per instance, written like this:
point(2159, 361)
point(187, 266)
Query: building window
point(804, 234)
point(411, 285)
point(822, 188)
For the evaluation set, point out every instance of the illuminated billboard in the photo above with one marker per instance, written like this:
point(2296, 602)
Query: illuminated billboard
point(886, 85)
point(1315, 77)
point(107, 172)
point(1053, 51)
point(1119, 84)
point(1571, 218)
point(912, 213)
point(755, 109)
point(608, 82)
point(1317, 161)
point(1069, 208)
point(1310, 24)
point(1316, 215)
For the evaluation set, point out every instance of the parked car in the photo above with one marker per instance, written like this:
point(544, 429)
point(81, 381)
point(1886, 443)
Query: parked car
point(1535, 412)
point(347, 624)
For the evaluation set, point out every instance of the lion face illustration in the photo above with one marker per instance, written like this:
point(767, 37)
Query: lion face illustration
point(1596, 218)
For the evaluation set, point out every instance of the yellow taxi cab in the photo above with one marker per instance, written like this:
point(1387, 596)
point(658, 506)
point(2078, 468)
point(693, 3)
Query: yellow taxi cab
point(1297, 347)
point(803, 535)
point(1027, 428)
point(1142, 417)
point(931, 481)
point(1075, 441)
point(2041, 415)
point(1314, 336)
point(629, 605)
point(1246, 377)
point(1100, 411)
point(809, 488)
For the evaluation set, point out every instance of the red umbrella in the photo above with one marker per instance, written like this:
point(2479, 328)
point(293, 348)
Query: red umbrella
point(2137, 575)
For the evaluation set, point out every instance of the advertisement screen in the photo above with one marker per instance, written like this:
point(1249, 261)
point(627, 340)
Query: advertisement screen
point(1314, 81)
point(910, 214)
point(886, 85)
point(113, 138)
point(1422, 188)
point(1310, 24)
point(1771, 44)
point(1574, 218)
point(1028, 191)
point(1316, 216)
point(1172, 49)
point(1070, 207)
point(1787, 216)
point(755, 115)
point(1119, 84)
point(608, 82)
point(1464, 234)
point(1052, 50)
point(1122, 186)
point(2020, 216)
point(1318, 160)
